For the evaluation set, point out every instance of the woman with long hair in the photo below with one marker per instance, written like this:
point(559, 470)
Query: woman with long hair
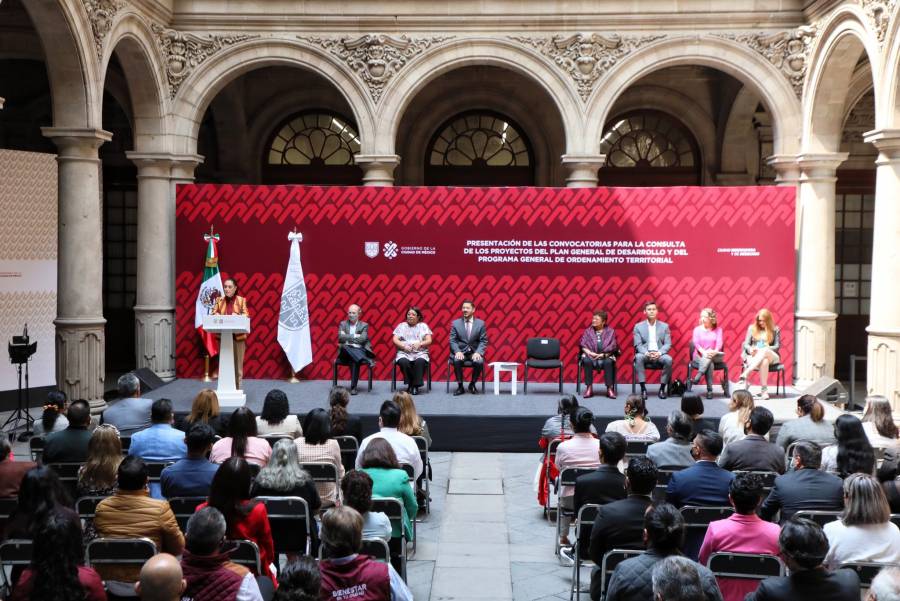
point(708, 348)
point(56, 572)
point(342, 422)
point(731, 426)
point(317, 446)
point(865, 532)
point(388, 480)
point(810, 424)
point(204, 409)
point(411, 423)
point(852, 453)
point(760, 350)
point(40, 494)
point(283, 477)
point(276, 417)
point(242, 440)
point(244, 518)
point(635, 426)
point(97, 477)
point(53, 419)
point(878, 422)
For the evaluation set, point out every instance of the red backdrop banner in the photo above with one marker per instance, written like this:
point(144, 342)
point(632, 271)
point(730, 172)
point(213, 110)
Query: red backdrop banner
point(536, 261)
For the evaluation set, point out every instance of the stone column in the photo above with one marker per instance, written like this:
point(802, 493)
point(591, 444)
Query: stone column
point(883, 367)
point(154, 313)
point(80, 351)
point(581, 169)
point(378, 169)
point(814, 325)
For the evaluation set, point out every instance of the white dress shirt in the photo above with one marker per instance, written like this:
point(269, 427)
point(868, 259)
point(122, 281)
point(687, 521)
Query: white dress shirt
point(652, 344)
point(404, 447)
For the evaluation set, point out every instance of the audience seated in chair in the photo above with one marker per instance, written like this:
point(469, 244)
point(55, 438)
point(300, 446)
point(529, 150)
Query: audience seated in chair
point(283, 477)
point(674, 451)
point(754, 452)
point(704, 483)
point(205, 410)
point(161, 579)
point(404, 446)
point(664, 534)
point(803, 547)
point(606, 484)
point(342, 422)
point(131, 412)
point(244, 518)
point(53, 418)
point(242, 440)
point(635, 426)
point(878, 423)
point(193, 475)
point(389, 480)
point(885, 586)
point(160, 442)
point(11, 472)
point(852, 452)
point(356, 487)
point(131, 513)
point(56, 570)
point(582, 450)
point(810, 424)
point(98, 476)
point(40, 493)
point(276, 417)
point(732, 425)
point(806, 487)
point(209, 573)
point(620, 524)
point(299, 580)
point(317, 445)
point(70, 445)
point(676, 579)
point(864, 533)
point(343, 568)
point(742, 532)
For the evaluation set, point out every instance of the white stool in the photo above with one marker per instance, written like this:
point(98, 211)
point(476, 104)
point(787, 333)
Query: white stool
point(505, 366)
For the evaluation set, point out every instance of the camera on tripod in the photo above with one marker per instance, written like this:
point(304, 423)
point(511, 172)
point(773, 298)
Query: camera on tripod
point(21, 348)
point(20, 351)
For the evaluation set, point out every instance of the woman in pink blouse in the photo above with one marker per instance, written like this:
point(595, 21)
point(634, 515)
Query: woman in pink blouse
point(708, 345)
point(242, 441)
point(582, 450)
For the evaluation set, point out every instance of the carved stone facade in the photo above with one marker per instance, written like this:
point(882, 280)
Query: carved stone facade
point(860, 120)
point(81, 363)
point(585, 58)
point(815, 344)
point(879, 15)
point(101, 14)
point(787, 50)
point(182, 51)
point(376, 58)
point(155, 341)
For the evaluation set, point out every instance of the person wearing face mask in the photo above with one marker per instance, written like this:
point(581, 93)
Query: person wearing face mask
point(232, 304)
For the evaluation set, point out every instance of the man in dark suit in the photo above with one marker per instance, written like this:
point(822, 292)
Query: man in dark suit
point(704, 483)
point(70, 445)
point(620, 524)
point(354, 347)
point(754, 452)
point(804, 488)
point(468, 342)
point(652, 343)
point(803, 547)
point(607, 483)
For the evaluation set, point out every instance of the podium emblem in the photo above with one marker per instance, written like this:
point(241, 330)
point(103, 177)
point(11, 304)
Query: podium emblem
point(371, 249)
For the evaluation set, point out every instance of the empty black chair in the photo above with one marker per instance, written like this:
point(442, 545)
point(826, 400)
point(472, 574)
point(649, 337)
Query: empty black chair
point(543, 353)
point(119, 551)
point(68, 476)
point(377, 548)
point(349, 449)
point(290, 522)
point(36, 446)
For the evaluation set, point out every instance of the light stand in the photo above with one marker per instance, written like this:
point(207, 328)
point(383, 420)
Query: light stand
point(20, 351)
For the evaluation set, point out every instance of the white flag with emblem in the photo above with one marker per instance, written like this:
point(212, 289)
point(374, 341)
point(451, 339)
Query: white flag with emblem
point(293, 319)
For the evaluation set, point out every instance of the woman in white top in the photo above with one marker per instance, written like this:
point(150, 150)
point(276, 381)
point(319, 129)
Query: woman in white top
point(852, 453)
point(635, 426)
point(412, 339)
point(275, 417)
point(54, 417)
point(731, 426)
point(878, 422)
point(865, 531)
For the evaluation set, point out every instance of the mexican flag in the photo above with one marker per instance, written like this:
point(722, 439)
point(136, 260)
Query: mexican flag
point(210, 290)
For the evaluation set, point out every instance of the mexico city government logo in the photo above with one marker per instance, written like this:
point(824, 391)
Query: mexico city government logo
point(372, 249)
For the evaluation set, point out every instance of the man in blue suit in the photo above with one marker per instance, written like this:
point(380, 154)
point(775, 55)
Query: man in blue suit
point(704, 483)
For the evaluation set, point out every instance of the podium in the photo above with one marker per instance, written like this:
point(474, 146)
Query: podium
point(227, 326)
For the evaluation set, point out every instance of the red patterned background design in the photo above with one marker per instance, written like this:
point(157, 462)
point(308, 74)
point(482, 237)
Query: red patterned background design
point(517, 301)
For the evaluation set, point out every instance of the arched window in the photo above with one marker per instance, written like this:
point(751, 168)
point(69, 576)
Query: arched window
point(314, 147)
point(649, 148)
point(479, 148)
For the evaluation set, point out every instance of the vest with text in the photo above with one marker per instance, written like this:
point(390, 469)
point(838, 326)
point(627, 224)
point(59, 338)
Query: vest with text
point(360, 579)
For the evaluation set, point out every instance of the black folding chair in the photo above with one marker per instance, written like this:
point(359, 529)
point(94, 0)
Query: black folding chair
point(395, 511)
point(427, 376)
point(184, 508)
point(635, 448)
point(36, 446)
point(245, 553)
point(746, 566)
point(338, 362)
point(648, 366)
point(118, 551)
point(8, 507)
point(663, 475)
point(567, 477)
point(13, 552)
point(273, 438)
point(290, 522)
point(550, 457)
point(155, 469)
point(349, 449)
point(377, 548)
point(126, 443)
point(86, 507)
point(324, 473)
point(778, 370)
point(467, 364)
point(543, 353)
point(819, 517)
point(68, 476)
point(696, 521)
point(610, 560)
point(867, 570)
point(693, 364)
point(583, 524)
point(422, 444)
